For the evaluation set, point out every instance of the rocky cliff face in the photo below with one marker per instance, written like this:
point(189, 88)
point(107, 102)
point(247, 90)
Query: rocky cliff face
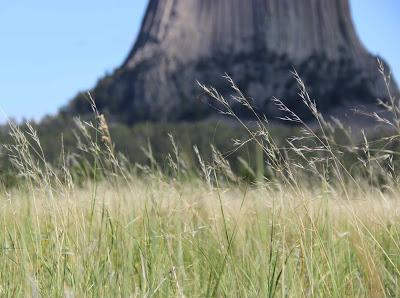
point(257, 42)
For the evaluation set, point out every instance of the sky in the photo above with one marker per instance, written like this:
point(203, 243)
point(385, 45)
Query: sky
point(52, 49)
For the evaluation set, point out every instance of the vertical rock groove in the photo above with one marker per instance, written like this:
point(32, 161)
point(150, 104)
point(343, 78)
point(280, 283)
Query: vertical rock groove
point(295, 28)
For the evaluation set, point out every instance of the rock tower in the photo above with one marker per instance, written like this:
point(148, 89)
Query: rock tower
point(256, 42)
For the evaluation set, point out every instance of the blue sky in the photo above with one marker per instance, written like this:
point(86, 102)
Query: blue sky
point(51, 49)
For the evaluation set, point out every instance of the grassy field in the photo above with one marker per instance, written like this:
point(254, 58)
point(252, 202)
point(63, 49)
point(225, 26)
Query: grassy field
point(159, 237)
point(312, 218)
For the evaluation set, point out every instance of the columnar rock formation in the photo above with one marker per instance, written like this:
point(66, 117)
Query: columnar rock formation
point(257, 42)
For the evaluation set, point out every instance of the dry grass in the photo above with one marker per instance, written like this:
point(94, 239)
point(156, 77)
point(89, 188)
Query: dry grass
point(165, 238)
point(98, 227)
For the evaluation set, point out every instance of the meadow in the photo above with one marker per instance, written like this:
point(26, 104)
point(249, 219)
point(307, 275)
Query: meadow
point(312, 217)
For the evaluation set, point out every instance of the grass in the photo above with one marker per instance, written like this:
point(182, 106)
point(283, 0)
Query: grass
point(158, 237)
point(310, 223)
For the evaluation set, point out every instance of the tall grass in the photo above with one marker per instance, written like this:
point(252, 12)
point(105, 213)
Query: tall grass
point(321, 218)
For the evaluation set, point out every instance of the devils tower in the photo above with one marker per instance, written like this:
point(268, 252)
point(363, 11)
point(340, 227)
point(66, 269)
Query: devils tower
point(256, 42)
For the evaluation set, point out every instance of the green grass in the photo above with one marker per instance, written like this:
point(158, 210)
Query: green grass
point(158, 237)
point(311, 218)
